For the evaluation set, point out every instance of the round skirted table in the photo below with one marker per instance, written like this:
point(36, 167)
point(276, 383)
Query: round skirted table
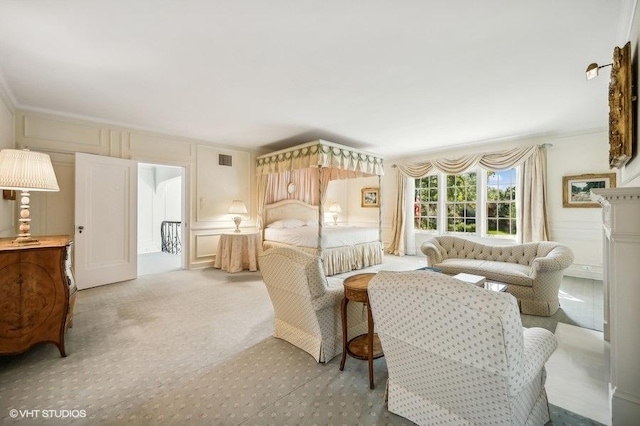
point(238, 251)
point(366, 346)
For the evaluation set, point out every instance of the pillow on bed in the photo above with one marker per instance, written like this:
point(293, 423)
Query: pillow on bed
point(311, 222)
point(286, 223)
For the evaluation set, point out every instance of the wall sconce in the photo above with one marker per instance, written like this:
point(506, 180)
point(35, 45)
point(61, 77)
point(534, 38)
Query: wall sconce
point(237, 207)
point(335, 209)
point(593, 70)
point(26, 171)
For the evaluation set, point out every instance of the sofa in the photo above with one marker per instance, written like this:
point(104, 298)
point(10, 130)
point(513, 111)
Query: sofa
point(532, 271)
point(457, 354)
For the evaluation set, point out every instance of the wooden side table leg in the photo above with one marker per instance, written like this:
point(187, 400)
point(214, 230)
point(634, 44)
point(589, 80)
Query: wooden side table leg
point(370, 344)
point(345, 301)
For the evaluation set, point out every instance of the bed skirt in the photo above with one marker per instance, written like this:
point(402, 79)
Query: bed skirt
point(342, 259)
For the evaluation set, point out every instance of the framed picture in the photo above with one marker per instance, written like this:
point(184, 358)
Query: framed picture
point(621, 108)
point(576, 190)
point(370, 197)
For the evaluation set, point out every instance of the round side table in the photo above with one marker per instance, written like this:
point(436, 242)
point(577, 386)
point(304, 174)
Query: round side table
point(366, 346)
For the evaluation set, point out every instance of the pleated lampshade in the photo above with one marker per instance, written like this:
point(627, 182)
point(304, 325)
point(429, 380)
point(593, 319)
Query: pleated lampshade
point(26, 170)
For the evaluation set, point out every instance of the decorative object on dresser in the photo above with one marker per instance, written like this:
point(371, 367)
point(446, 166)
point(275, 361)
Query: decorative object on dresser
point(26, 171)
point(237, 208)
point(621, 252)
point(38, 294)
point(532, 271)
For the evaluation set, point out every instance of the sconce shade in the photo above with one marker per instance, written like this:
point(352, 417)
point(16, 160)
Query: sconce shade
point(26, 170)
point(592, 71)
point(335, 208)
point(237, 207)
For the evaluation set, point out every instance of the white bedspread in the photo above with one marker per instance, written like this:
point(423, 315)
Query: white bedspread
point(332, 236)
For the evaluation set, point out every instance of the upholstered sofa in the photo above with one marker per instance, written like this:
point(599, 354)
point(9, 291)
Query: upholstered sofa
point(457, 354)
point(532, 271)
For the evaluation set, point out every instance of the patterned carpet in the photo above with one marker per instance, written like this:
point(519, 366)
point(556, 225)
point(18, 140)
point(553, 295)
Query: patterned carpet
point(188, 347)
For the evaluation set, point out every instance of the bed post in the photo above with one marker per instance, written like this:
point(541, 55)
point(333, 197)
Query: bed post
point(320, 211)
point(380, 211)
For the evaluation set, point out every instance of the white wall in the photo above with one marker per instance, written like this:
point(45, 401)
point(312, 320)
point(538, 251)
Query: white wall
point(347, 194)
point(8, 225)
point(630, 173)
point(210, 187)
point(575, 154)
point(159, 199)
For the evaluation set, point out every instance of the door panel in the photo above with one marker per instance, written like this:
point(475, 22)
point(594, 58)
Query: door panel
point(105, 218)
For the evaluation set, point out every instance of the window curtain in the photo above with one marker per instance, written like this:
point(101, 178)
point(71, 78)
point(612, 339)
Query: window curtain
point(532, 215)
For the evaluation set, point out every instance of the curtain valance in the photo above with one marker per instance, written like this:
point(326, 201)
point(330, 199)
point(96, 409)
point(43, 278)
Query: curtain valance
point(491, 161)
point(320, 154)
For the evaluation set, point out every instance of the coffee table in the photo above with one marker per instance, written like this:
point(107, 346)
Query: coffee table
point(480, 281)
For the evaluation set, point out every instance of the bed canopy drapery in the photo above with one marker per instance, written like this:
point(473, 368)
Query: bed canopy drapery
point(310, 167)
point(302, 173)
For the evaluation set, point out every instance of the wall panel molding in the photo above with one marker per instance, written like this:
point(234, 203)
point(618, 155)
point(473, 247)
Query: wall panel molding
point(44, 129)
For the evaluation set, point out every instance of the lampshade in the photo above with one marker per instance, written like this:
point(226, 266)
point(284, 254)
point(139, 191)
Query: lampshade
point(26, 170)
point(237, 207)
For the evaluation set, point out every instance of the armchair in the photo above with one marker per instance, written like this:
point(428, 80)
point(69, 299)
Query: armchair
point(306, 304)
point(457, 354)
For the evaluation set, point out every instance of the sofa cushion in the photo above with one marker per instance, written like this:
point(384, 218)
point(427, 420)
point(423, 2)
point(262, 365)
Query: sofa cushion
point(511, 273)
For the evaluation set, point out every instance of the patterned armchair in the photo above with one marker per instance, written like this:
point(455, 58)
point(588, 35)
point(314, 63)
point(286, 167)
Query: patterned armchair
point(457, 354)
point(306, 304)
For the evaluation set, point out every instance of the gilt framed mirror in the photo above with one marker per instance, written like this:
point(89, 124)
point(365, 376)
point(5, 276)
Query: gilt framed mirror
point(621, 108)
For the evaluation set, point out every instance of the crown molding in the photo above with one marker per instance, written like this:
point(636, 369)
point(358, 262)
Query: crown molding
point(625, 21)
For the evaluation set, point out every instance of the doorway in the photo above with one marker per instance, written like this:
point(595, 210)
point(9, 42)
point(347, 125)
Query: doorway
point(160, 218)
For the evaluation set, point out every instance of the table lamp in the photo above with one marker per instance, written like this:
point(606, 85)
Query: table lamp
point(335, 209)
point(26, 171)
point(238, 208)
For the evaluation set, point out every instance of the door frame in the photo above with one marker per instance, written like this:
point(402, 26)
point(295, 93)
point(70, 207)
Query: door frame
point(186, 196)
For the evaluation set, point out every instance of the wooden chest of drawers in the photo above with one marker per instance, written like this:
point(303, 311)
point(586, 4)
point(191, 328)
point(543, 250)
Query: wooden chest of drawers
point(37, 293)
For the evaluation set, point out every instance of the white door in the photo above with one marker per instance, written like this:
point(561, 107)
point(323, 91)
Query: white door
point(105, 220)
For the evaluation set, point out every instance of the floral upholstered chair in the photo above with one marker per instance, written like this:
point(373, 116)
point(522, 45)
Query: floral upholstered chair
point(306, 304)
point(457, 354)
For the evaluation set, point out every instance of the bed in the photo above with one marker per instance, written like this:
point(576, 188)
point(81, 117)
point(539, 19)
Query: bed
point(292, 185)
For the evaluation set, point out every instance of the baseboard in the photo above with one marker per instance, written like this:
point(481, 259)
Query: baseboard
point(590, 272)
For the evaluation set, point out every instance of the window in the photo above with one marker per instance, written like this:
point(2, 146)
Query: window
point(425, 209)
point(501, 202)
point(462, 192)
point(477, 202)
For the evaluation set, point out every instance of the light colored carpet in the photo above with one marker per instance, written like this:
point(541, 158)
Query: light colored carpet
point(171, 348)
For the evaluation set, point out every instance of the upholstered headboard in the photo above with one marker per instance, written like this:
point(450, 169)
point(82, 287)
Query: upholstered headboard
point(290, 209)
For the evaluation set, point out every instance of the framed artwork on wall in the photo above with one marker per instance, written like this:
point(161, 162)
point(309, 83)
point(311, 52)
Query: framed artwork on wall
point(370, 197)
point(576, 190)
point(621, 108)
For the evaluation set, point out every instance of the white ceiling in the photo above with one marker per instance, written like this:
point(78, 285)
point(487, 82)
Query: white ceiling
point(390, 77)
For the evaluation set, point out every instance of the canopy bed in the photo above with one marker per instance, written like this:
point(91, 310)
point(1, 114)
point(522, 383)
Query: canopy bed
point(292, 188)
